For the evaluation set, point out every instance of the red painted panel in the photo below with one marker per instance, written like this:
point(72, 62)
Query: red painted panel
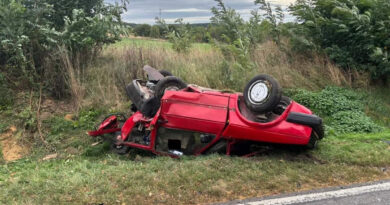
point(277, 131)
point(195, 111)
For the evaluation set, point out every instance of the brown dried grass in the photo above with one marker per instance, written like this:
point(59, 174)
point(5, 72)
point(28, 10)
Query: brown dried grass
point(117, 66)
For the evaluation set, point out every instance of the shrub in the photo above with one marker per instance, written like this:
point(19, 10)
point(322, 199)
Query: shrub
point(142, 30)
point(353, 121)
point(343, 109)
point(32, 31)
point(28, 119)
point(179, 34)
point(6, 95)
point(87, 118)
point(155, 32)
point(330, 100)
point(59, 125)
point(354, 33)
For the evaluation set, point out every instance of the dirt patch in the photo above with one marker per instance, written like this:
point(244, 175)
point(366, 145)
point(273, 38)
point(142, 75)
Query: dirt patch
point(50, 107)
point(10, 148)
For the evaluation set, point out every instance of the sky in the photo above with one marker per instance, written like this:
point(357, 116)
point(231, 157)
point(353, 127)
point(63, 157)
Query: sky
point(192, 11)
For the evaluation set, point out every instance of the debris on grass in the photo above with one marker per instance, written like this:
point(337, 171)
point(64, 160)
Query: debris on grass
point(69, 117)
point(50, 156)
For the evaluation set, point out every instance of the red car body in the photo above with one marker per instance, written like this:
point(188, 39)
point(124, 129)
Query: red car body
point(216, 115)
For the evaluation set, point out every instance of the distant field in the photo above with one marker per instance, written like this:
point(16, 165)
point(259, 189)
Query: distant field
point(154, 43)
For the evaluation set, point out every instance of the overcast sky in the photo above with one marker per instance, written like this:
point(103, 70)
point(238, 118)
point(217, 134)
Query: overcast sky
point(192, 11)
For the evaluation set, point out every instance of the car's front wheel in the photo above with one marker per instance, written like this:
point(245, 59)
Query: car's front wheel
point(262, 94)
point(312, 142)
point(316, 135)
point(119, 149)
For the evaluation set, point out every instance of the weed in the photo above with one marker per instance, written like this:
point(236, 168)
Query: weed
point(3, 127)
point(27, 118)
point(59, 125)
point(343, 109)
point(97, 150)
point(330, 100)
point(88, 118)
point(2, 161)
point(6, 95)
point(353, 121)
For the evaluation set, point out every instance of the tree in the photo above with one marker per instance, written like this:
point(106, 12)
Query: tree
point(31, 33)
point(155, 32)
point(354, 33)
point(275, 18)
point(142, 30)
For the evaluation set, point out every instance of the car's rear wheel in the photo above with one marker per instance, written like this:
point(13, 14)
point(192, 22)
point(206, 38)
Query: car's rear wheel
point(262, 94)
point(168, 83)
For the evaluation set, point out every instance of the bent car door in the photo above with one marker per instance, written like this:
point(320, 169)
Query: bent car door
point(191, 121)
point(195, 111)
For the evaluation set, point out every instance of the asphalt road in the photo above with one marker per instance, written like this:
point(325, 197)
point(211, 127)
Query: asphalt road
point(370, 193)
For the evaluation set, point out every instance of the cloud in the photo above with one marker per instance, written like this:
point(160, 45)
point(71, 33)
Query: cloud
point(185, 10)
point(145, 11)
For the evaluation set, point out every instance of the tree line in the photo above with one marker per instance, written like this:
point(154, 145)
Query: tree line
point(355, 34)
point(39, 39)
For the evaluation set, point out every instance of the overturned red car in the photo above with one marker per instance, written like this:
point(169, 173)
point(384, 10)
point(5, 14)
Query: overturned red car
point(173, 118)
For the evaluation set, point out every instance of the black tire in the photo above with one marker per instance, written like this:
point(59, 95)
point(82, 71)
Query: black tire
point(316, 135)
point(165, 73)
point(168, 83)
point(312, 142)
point(150, 107)
point(319, 130)
point(282, 105)
point(272, 94)
point(119, 149)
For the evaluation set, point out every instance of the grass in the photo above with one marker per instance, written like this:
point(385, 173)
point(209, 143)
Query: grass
point(82, 173)
point(86, 174)
point(101, 177)
point(204, 65)
point(378, 105)
point(154, 43)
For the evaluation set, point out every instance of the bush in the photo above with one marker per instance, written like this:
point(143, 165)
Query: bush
point(178, 34)
point(59, 125)
point(330, 100)
point(354, 33)
point(342, 108)
point(87, 118)
point(142, 30)
point(353, 121)
point(31, 33)
point(6, 95)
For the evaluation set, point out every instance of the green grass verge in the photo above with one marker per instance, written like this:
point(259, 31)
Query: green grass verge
point(97, 176)
point(1, 157)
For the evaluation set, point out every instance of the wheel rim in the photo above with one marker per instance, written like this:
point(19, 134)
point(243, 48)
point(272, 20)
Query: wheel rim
point(258, 92)
point(118, 146)
point(118, 137)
